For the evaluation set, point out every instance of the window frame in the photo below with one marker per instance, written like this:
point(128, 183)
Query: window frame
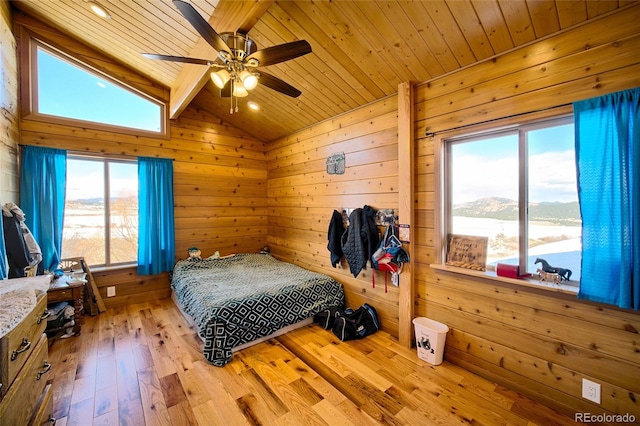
point(29, 95)
point(442, 214)
point(106, 159)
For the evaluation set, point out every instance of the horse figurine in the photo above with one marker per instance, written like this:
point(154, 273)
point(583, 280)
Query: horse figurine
point(564, 273)
point(550, 277)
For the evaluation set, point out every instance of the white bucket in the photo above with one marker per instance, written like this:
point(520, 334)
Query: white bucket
point(430, 338)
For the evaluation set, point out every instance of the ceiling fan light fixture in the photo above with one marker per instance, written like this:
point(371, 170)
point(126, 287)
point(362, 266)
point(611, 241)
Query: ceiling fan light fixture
point(249, 80)
point(99, 10)
point(239, 91)
point(220, 78)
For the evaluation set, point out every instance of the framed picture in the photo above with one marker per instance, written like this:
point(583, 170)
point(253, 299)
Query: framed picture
point(404, 233)
point(467, 251)
point(335, 164)
point(385, 217)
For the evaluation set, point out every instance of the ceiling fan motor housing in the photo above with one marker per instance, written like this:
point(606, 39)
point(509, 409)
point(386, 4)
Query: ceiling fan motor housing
point(240, 45)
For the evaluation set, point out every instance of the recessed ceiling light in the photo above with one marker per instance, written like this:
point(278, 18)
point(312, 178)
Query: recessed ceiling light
point(253, 106)
point(99, 10)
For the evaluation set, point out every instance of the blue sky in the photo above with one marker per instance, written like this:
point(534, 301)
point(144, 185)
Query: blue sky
point(67, 91)
point(489, 168)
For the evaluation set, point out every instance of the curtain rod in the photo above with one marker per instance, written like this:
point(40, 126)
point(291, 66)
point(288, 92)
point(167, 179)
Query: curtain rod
point(433, 134)
point(99, 154)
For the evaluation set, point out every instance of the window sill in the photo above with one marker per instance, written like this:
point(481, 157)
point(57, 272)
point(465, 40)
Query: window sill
point(491, 276)
point(112, 268)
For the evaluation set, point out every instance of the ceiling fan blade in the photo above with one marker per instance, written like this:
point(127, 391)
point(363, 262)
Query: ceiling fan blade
point(176, 59)
point(278, 85)
point(280, 53)
point(201, 25)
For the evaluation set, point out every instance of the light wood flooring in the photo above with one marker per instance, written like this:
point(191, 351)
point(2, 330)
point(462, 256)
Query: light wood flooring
point(142, 365)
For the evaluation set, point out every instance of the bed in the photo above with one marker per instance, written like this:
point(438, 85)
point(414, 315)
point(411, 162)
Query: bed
point(241, 298)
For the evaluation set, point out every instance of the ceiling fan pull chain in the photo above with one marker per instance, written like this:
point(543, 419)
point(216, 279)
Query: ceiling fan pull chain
point(231, 109)
point(236, 102)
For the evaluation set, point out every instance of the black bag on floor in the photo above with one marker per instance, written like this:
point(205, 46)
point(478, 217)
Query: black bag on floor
point(356, 324)
point(327, 317)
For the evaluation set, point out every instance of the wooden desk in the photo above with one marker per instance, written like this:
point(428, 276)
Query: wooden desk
point(62, 291)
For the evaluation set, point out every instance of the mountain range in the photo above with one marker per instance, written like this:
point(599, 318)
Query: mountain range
point(506, 209)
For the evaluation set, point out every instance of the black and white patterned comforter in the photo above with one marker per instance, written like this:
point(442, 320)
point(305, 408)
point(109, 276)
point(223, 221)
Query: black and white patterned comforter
point(238, 299)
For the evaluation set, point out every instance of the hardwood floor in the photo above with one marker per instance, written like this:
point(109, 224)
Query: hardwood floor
point(142, 365)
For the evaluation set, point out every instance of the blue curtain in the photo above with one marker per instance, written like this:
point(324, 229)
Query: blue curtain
point(3, 254)
point(156, 233)
point(43, 180)
point(608, 161)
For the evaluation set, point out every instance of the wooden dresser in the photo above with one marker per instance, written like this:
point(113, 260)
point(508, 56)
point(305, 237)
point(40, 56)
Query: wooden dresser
point(25, 396)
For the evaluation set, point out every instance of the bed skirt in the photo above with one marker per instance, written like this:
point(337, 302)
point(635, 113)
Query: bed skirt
point(280, 332)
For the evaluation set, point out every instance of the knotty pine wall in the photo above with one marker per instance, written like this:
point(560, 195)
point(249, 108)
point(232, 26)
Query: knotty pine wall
point(531, 340)
point(302, 196)
point(220, 174)
point(8, 108)
point(539, 342)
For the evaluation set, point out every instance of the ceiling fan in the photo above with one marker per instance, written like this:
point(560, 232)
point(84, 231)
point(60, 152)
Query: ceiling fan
point(238, 58)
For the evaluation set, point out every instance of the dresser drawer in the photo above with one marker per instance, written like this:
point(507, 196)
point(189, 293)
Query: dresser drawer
point(18, 404)
point(43, 413)
point(60, 295)
point(19, 343)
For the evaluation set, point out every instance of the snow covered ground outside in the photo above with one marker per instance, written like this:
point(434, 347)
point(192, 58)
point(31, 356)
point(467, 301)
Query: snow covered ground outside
point(564, 253)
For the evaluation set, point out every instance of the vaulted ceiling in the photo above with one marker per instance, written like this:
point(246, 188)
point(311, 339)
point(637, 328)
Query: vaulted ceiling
point(362, 50)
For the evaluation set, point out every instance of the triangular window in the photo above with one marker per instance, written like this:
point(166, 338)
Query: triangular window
point(68, 90)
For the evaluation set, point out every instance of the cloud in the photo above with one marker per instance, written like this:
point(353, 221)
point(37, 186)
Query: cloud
point(552, 177)
point(476, 177)
point(85, 179)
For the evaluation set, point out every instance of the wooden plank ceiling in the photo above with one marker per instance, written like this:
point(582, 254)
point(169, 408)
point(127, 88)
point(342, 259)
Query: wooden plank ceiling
point(362, 50)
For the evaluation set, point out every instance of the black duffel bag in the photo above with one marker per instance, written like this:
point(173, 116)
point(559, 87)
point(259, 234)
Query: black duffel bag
point(326, 318)
point(349, 324)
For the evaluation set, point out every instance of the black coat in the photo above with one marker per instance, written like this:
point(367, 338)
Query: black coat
point(17, 252)
point(336, 229)
point(360, 239)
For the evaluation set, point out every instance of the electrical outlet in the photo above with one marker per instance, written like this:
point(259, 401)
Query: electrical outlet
point(591, 390)
point(111, 291)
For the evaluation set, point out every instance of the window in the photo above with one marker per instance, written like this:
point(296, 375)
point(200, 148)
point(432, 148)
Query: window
point(64, 89)
point(101, 211)
point(516, 186)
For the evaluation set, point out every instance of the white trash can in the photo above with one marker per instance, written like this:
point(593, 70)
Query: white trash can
point(430, 338)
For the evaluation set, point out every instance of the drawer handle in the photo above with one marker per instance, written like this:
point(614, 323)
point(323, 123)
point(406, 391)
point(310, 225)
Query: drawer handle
point(46, 314)
point(25, 345)
point(47, 367)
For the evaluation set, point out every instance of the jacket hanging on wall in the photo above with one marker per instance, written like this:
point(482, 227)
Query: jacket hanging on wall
point(22, 248)
point(336, 229)
point(360, 239)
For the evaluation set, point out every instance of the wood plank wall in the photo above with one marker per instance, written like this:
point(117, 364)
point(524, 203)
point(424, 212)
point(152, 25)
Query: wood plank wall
point(538, 342)
point(302, 196)
point(220, 174)
point(8, 108)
